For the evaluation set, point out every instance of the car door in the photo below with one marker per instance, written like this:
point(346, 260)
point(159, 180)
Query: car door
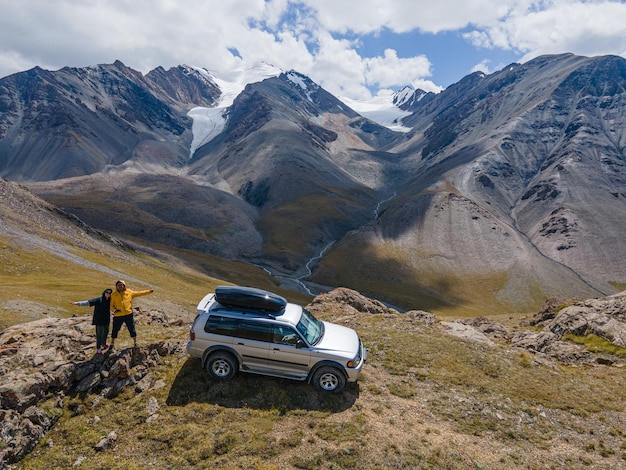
point(289, 355)
point(252, 344)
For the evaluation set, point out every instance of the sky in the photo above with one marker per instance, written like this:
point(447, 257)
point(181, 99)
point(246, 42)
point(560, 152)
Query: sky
point(358, 49)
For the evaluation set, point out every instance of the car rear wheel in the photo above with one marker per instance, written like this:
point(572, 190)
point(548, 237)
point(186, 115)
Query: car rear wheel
point(329, 379)
point(221, 366)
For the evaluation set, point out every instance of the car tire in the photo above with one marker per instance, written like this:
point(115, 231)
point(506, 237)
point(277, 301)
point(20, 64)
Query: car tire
point(329, 379)
point(221, 366)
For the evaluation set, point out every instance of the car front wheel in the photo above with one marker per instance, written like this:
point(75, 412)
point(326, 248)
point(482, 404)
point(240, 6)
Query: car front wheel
point(221, 366)
point(329, 379)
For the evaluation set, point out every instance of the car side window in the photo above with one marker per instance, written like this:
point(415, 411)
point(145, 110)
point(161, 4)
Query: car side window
point(255, 331)
point(218, 325)
point(284, 335)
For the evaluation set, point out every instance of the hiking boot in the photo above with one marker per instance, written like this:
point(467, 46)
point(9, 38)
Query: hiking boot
point(105, 346)
point(99, 353)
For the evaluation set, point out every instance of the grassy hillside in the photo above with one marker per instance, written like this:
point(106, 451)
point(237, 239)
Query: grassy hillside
point(48, 259)
point(425, 400)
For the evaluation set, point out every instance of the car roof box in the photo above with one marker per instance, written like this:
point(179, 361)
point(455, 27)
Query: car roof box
point(249, 297)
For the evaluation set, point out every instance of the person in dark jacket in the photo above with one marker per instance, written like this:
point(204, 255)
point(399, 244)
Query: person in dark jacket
point(101, 317)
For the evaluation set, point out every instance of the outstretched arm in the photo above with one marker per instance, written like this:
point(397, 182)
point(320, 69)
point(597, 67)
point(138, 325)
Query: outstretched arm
point(142, 292)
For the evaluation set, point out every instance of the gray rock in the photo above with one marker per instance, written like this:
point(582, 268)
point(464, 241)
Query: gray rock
point(422, 317)
point(467, 332)
point(603, 317)
point(89, 382)
point(48, 356)
point(153, 406)
point(353, 299)
point(107, 441)
point(144, 384)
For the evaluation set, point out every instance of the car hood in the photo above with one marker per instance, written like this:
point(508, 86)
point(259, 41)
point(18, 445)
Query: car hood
point(339, 338)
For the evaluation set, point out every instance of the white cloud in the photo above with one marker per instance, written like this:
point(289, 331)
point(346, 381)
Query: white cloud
point(390, 70)
point(320, 38)
point(426, 85)
point(487, 67)
point(366, 16)
point(557, 26)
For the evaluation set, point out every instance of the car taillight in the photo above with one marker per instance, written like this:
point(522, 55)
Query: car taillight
point(192, 334)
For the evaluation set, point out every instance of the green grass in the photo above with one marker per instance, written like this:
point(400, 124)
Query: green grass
point(470, 390)
point(295, 226)
point(596, 344)
point(419, 357)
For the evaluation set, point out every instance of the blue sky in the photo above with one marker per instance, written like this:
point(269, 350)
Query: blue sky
point(353, 49)
point(451, 55)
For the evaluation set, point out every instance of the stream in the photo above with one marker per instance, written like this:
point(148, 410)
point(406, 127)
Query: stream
point(297, 283)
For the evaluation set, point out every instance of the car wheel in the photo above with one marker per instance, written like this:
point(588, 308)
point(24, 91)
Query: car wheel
point(329, 379)
point(221, 366)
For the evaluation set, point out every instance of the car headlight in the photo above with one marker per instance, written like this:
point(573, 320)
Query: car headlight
point(354, 362)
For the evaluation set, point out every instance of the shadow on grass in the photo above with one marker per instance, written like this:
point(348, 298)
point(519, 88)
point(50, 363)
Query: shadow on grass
point(193, 385)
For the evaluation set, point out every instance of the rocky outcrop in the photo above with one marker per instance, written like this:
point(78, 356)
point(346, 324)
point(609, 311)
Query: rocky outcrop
point(464, 331)
point(49, 358)
point(352, 299)
point(603, 317)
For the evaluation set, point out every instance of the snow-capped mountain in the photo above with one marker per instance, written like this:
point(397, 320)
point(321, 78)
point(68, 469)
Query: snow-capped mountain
point(497, 192)
point(208, 122)
point(384, 109)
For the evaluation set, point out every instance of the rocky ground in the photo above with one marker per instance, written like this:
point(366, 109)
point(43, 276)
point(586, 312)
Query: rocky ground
point(54, 357)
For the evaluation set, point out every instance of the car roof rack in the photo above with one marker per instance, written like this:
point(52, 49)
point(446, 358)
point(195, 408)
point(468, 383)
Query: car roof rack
point(249, 298)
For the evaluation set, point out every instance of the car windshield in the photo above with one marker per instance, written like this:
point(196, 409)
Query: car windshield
point(311, 328)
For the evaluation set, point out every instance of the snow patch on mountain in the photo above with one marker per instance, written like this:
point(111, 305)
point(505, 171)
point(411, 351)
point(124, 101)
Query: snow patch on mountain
point(209, 122)
point(403, 96)
point(383, 108)
point(301, 81)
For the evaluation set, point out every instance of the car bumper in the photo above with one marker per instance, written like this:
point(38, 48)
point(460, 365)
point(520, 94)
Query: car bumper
point(193, 352)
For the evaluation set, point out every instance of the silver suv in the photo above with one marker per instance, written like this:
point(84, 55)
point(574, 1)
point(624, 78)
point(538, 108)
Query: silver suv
point(252, 330)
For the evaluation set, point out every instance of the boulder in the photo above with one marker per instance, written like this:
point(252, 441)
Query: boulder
point(352, 299)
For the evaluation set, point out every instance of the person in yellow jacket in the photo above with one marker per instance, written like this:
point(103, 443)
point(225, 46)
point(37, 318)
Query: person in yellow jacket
point(122, 308)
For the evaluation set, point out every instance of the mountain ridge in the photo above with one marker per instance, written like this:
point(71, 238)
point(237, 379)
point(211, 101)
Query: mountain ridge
point(512, 181)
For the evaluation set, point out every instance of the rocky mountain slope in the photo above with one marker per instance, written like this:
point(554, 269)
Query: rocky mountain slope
point(75, 122)
point(517, 182)
point(508, 189)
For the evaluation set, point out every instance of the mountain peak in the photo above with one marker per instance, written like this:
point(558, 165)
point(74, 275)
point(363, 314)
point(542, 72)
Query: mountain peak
point(382, 109)
point(402, 96)
point(233, 82)
point(301, 80)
